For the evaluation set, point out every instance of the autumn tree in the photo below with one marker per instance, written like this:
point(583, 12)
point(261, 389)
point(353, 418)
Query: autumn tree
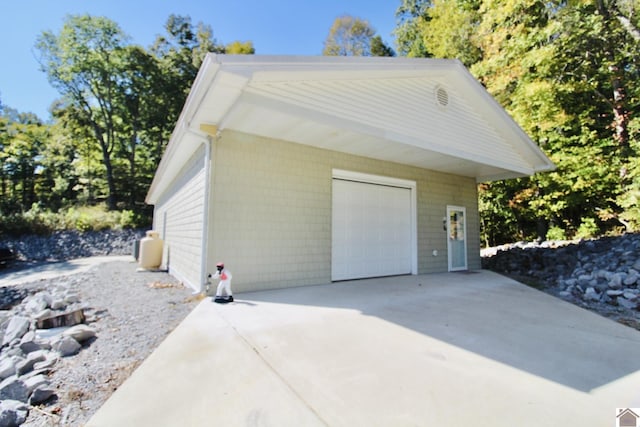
point(566, 72)
point(239, 48)
point(351, 36)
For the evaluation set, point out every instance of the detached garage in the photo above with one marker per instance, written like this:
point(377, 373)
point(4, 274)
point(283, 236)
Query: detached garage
point(305, 170)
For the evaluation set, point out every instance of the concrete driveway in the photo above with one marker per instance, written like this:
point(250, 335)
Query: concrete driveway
point(436, 350)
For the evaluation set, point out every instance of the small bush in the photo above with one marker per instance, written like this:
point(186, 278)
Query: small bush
point(84, 218)
point(588, 229)
point(556, 233)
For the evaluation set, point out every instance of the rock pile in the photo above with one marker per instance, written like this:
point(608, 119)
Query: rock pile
point(29, 352)
point(605, 271)
point(66, 245)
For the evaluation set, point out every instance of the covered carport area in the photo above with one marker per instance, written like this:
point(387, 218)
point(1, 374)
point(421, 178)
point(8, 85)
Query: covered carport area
point(471, 348)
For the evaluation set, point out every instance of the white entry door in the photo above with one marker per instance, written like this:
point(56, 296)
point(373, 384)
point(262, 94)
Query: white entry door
point(371, 230)
point(457, 238)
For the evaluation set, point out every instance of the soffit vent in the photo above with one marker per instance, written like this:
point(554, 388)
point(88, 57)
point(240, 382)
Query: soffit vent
point(442, 97)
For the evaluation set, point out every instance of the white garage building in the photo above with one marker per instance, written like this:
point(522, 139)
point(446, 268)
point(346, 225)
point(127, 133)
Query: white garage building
point(306, 170)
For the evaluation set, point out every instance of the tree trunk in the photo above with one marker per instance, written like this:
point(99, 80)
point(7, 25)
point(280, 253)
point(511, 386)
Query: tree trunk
point(620, 122)
point(106, 158)
point(132, 169)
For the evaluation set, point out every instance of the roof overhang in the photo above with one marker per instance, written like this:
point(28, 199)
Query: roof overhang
point(429, 113)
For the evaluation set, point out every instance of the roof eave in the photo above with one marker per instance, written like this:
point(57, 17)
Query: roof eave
point(166, 170)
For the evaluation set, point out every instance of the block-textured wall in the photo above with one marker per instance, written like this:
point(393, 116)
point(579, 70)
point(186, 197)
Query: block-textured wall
point(179, 218)
point(271, 210)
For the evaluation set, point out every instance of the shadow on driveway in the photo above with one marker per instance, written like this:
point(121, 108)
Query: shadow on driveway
point(491, 316)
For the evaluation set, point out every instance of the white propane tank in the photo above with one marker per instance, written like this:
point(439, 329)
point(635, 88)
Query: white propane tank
point(150, 251)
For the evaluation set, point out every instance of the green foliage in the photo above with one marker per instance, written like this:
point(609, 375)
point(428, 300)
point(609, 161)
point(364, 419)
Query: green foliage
point(556, 233)
point(239, 48)
point(587, 229)
point(380, 48)
point(119, 105)
point(568, 73)
point(412, 15)
point(82, 218)
point(349, 36)
point(629, 197)
point(449, 29)
point(22, 138)
point(90, 168)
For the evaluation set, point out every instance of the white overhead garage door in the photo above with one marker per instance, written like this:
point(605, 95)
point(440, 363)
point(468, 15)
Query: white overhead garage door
point(371, 230)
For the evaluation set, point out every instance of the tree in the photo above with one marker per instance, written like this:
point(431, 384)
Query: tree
point(85, 63)
point(240, 48)
point(21, 140)
point(179, 53)
point(567, 73)
point(127, 96)
point(411, 16)
point(380, 48)
point(450, 28)
point(350, 36)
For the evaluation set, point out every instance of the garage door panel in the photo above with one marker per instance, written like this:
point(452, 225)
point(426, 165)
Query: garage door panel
point(371, 230)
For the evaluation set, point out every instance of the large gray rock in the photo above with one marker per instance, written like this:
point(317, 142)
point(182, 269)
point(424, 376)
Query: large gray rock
point(40, 395)
point(38, 302)
point(27, 364)
point(17, 327)
point(13, 413)
point(5, 315)
point(14, 388)
point(45, 297)
point(7, 368)
point(35, 382)
point(28, 342)
point(14, 352)
point(66, 346)
point(591, 294)
point(623, 302)
point(71, 298)
point(616, 280)
point(631, 279)
point(79, 333)
point(58, 304)
point(43, 314)
point(50, 360)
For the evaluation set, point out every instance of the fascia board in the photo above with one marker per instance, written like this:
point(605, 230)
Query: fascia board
point(213, 76)
point(539, 161)
point(167, 169)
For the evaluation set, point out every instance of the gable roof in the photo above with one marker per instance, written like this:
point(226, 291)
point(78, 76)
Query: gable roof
point(429, 113)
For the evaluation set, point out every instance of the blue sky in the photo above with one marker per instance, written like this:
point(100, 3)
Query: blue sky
point(276, 27)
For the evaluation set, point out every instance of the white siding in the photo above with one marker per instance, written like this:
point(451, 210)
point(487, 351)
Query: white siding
point(179, 217)
point(271, 211)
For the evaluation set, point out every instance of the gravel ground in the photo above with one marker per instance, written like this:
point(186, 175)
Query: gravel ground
point(132, 312)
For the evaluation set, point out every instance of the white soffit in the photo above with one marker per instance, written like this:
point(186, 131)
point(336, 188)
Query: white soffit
point(385, 108)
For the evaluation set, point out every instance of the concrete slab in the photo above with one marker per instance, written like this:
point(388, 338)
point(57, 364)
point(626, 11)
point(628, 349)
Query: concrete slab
point(447, 350)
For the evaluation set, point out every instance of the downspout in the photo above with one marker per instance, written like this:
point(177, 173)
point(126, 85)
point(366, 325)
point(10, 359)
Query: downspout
point(208, 139)
point(205, 227)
